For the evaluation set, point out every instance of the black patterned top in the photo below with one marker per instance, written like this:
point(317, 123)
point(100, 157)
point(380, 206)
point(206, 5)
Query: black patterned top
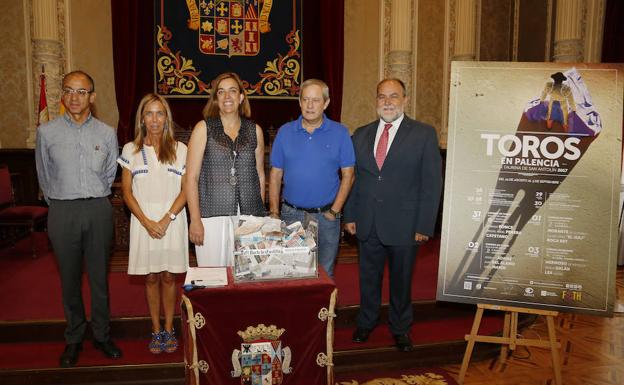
point(221, 190)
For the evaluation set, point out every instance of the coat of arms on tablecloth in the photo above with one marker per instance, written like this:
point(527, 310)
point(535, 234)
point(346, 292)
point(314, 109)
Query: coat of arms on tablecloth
point(261, 360)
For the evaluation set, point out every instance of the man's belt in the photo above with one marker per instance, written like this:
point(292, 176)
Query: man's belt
point(76, 199)
point(314, 210)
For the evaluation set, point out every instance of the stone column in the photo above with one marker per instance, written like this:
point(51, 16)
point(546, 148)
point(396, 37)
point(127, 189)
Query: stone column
point(594, 28)
point(47, 51)
point(466, 30)
point(400, 54)
point(461, 44)
point(569, 31)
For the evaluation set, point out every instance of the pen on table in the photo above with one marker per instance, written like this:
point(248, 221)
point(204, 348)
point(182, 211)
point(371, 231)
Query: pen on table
point(192, 287)
point(193, 282)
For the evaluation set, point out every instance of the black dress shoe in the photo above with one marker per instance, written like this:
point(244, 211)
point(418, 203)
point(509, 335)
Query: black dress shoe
point(403, 342)
point(69, 357)
point(108, 348)
point(361, 334)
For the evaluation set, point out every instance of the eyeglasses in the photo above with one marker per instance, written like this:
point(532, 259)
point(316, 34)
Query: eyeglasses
point(80, 92)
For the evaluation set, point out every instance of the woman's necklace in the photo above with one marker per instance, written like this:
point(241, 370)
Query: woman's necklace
point(233, 177)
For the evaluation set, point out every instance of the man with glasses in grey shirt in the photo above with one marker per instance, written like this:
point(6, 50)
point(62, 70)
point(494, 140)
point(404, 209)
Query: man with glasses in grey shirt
point(76, 165)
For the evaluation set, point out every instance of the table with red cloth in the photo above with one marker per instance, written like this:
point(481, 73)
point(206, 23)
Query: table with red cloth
point(265, 333)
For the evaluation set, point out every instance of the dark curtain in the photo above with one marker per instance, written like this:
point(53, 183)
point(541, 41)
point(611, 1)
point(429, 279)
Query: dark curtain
point(132, 59)
point(613, 36)
point(323, 47)
point(133, 56)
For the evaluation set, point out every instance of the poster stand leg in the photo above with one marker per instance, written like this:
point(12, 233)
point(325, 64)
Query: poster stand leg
point(509, 340)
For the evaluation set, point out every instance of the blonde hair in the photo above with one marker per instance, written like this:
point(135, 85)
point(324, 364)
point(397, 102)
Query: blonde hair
point(211, 109)
point(167, 148)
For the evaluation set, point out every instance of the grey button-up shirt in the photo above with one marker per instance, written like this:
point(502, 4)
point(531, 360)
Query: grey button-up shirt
point(76, 161)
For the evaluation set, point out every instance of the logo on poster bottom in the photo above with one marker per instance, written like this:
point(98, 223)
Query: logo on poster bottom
point(546, 293)
point(571, 295)
point(529, 292)
point(261, 360)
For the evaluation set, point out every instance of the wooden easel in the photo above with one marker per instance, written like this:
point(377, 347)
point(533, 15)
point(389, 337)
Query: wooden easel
point(509, 339)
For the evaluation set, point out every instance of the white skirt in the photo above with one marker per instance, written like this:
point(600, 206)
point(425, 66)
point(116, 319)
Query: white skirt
point(218, 247)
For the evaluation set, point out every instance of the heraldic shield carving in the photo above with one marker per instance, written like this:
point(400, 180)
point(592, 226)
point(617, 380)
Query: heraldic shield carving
point(232, 28)
point(262, 360)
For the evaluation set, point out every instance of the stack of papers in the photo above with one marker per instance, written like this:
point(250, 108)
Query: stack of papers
point(206, 276)
point(267, 248)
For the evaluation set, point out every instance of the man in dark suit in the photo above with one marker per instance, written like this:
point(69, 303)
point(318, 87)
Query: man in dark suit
point(392, 208)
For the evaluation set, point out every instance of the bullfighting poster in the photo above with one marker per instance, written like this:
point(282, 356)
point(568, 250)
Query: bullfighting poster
point(196, 40)
point(532, 186)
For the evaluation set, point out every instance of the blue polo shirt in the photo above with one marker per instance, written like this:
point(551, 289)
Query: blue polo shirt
point(312, 162)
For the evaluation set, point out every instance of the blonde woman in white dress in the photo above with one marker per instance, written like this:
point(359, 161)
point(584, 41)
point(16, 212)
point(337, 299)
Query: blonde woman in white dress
point(152, 179)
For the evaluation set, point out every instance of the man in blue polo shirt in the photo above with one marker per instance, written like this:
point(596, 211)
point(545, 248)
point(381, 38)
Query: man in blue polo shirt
point(308, 154)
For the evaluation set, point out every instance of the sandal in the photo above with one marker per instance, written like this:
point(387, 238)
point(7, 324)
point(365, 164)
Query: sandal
point(156, 345)
point(170, 342)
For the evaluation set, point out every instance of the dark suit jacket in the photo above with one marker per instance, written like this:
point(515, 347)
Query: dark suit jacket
point(402, 199)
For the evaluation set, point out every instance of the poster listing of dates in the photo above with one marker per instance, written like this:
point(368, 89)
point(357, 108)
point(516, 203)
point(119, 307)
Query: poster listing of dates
point(532, 186)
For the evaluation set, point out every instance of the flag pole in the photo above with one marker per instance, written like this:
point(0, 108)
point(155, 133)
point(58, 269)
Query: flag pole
point(44, 116)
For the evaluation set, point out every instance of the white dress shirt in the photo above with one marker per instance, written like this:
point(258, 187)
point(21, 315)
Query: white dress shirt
point(391, 132)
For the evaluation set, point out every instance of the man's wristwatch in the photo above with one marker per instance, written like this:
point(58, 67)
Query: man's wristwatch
point(336, 214)
point(172, 216)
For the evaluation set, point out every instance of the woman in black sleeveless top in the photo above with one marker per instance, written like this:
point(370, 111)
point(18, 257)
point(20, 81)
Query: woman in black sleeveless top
point(225, 171)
